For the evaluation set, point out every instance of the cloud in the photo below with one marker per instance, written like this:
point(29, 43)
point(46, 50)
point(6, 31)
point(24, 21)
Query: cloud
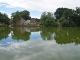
point(39, 50)
point(1, 4)
point(33, 16)
point(9, 15)
point(41, 5)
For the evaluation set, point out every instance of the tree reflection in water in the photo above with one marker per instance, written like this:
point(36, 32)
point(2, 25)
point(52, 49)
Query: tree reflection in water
point(20, 34)
point(60, 35)
point(4, 32)
point(68, 35)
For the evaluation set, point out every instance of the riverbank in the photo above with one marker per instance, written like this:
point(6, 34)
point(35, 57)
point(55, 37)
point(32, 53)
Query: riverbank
point(20, 26)
point(4, 25)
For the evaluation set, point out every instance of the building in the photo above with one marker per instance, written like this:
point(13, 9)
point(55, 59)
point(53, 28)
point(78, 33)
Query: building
point(23, 22)
point(34, 22)
point(26, 22)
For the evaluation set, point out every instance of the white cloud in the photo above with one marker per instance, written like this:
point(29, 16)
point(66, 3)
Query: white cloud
point(9, 15)
point(35, 16)
point(38, 50)
point(42, 5)
point(1, 4)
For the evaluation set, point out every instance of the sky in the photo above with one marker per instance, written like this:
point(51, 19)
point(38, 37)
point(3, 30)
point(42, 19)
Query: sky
point(36, 7)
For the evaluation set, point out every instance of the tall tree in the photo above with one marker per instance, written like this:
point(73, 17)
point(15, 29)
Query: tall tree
point(59, 12)
point(47, 19)
point(68, 17)
point(25, 14)
point(16, 16)
point(4, 18)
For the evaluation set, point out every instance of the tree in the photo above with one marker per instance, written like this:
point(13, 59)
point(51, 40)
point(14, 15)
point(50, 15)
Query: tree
point(37, 19)
point(25, 14)
point(68, 17)
point(16, 16)
point(4, 32)
point(59, 12)
point(4, 18)
point(76, 16)
point(47, 19)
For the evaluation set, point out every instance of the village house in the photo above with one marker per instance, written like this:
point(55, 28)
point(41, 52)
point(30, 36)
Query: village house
point(33, 22)
point(26, 22)
point(23, 22)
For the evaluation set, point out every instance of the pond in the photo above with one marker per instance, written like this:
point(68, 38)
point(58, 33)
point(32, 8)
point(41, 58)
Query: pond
point(35, 43)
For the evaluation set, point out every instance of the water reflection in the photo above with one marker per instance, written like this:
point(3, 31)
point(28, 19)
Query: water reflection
point(60, 35)
point(4, 32)
point(48, 33)
point(32, 29)
point(25, 43)
point(67, 35)
point(20, 34)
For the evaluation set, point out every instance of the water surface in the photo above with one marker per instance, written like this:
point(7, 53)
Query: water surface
point(35, 43)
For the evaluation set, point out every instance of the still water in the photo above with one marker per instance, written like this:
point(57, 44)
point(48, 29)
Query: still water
point(35, 43)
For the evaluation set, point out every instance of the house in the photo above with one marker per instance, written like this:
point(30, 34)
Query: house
point(33, 22)
point(26, 22)
point(23, 22)
point(30, 22)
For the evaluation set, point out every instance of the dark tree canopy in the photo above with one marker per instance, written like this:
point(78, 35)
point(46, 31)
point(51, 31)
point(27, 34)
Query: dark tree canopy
point(4, 18)
point(59, 12)
point(20, 14)
point(68, 17)
point(64, 17)
point(4, 32)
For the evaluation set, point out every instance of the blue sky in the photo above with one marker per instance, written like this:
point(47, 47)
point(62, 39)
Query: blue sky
point(7, 10)
point(36, 7)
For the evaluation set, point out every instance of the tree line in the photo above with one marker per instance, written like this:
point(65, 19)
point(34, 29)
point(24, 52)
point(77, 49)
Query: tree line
point(20, 14)
point(63, 17)
point(4, 19)
point(60, 35)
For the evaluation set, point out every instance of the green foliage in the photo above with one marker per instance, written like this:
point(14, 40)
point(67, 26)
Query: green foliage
point(47, 19)
point(4, 18)
point(4, 32)
point(67, 35)
point(18, 15)
point(65, 23)
point(59, 12)
point(20, 34)
point(68, 17)
point(38, 20)
point(25, 14)
point(47, 33)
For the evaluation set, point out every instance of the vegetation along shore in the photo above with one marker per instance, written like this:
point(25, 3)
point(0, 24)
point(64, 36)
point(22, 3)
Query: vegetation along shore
point(62, 17)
